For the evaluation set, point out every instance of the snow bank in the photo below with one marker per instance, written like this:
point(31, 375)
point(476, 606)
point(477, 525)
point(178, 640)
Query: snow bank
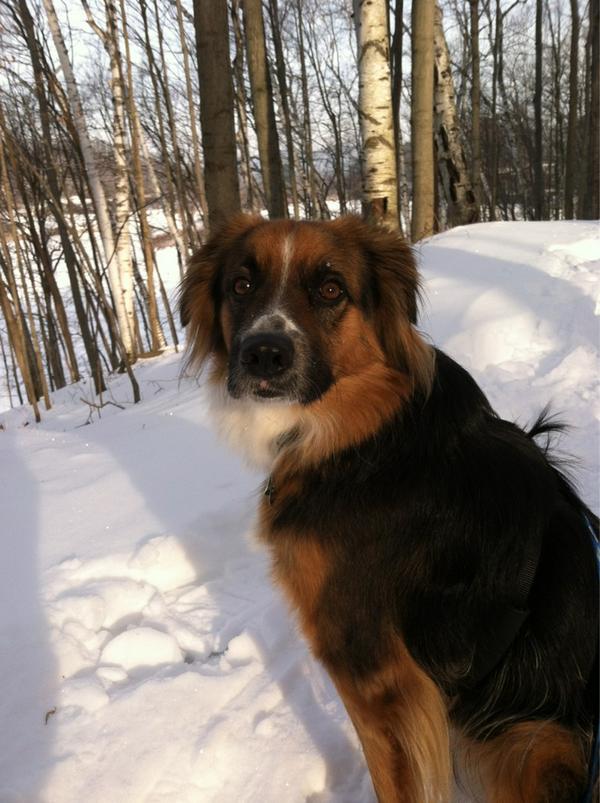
point(144, 656)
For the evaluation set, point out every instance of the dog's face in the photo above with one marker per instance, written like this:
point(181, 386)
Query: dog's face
point(289, 309)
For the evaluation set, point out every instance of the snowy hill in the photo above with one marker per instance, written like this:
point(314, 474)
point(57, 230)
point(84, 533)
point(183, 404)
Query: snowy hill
point(144, 656)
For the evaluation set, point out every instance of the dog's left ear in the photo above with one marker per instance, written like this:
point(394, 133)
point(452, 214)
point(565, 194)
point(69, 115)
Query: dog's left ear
point(199, 290)
point(394, 289)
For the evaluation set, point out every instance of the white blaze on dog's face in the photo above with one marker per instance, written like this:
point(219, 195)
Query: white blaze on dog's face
point(287, 310)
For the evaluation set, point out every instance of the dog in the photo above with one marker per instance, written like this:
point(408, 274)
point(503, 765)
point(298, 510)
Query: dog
point(440, 562)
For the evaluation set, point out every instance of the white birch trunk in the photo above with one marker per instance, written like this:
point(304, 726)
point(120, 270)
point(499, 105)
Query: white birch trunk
point(379, 172)
point(156, 334)
point(125, 303)
point(97, 190)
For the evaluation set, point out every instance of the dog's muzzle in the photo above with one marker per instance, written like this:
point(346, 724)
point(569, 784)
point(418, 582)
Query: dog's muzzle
point(267, 355)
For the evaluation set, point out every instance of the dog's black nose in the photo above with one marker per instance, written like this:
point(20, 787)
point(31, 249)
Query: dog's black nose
point(267, 355)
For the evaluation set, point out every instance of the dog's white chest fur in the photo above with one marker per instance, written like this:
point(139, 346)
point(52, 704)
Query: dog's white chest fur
point(253, 428)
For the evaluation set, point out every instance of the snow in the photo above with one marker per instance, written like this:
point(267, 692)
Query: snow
point(144, 655)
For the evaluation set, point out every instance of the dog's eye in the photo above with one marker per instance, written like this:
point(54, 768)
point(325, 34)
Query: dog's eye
point(331, 290)
point(242, 286)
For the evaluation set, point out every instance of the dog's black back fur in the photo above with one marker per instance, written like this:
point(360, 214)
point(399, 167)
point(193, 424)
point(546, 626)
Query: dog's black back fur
point(431, 520)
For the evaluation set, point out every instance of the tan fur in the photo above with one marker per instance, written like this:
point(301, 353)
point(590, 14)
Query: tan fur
point(226, 326)
point(195, 293)
point(390, 258)
point(398, 711)
point(366, 394)
point(352, 410)
point(522, 764)
point(378, 359)
point(300, 568)
point(400, 716)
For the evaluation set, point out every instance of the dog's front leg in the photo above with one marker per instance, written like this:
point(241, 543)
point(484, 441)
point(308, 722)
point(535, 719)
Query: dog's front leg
point(401, 719)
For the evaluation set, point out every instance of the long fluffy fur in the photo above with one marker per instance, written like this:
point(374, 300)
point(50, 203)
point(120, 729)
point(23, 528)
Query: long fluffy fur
point(401, 512)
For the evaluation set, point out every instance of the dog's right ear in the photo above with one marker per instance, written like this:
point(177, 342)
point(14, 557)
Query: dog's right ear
point(199, 291)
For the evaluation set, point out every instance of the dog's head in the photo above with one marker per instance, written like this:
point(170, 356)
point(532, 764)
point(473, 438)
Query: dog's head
point(300, 312)
point(286, 309)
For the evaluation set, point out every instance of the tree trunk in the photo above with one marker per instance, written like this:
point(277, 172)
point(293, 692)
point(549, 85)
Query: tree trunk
point(157, 340)
point(11, 310)
point(285, 106)
point(422, 120)
point(396, 63)
point(264, 111)
point(28, 328)
point(53, 187)
point(451, 162)
point(589, 200)
point(198, 175)
point(538, 165)
point(96, 188)
point(216, 109)
point(173, 199)
point(378, 157)
point(310, 176)
point(475, 107)
point(187, 221)
point(125, 301)
point(594, 141)
point(494, 132)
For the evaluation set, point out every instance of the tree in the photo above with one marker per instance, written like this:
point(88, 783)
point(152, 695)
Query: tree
point(379, 168)
point(538, 162)
point(157, 339)
point(570, 165)
point(589, 194)
point(475, 106)
point(264, 111)
point(96, 187)
point(451, 161)
point(216, 109)
point(310, 195)
point(396, 68)
point(285, 106)
point(422, 119)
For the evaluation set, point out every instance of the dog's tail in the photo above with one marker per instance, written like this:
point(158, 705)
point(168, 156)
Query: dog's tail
point(547, 423)
point(549, 427)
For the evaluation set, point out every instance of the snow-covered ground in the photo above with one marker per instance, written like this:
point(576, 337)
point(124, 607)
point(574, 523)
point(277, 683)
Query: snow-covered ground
point(144, 656)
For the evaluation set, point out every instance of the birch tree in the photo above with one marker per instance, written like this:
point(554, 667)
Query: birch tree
point(157, 339)
point(379, 170)
point(100, 205)
point(124, 303)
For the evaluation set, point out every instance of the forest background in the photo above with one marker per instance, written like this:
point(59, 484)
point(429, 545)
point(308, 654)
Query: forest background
point(128, 126)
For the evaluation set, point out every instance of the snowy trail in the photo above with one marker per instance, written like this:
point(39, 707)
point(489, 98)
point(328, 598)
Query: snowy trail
point(144, 656)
